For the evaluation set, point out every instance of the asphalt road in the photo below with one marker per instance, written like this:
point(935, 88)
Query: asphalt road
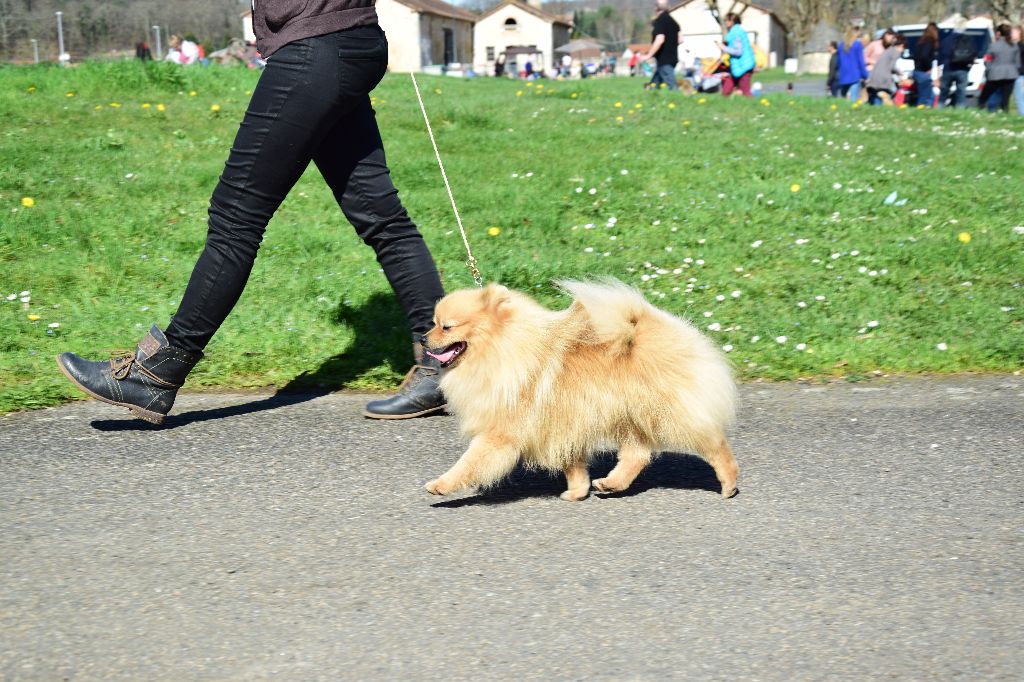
point(877, 535)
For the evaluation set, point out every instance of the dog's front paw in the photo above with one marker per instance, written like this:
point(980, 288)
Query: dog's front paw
point(607, 485)
point(440, 486)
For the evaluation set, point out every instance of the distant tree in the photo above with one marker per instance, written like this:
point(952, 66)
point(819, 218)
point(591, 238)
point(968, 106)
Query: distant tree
point(935, 10)
point(1006, 10)
point(801, 16)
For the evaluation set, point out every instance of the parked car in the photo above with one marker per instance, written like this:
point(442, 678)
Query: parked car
point(975, 76)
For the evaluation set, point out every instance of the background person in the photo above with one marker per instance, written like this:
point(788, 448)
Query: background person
point(957, 52)
point(852, 70)
point(880, 84)
point(832, 82)
point(741, 57)
point(926, 50)
point(874, 49)
point(311, 103)
point(183, 52)
point(1017, 35)
point(665, 39)
point(1001, 72)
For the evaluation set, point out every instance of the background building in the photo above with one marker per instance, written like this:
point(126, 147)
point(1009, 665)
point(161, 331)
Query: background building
point(522, 31)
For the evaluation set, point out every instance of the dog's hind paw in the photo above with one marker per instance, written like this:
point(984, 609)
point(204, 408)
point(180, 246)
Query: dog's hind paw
point(575, 495)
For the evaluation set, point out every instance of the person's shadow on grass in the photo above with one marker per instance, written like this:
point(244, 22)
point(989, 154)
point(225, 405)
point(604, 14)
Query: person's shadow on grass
point(381, 335)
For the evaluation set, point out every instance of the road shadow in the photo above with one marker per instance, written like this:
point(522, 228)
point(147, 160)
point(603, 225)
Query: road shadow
point(380, 336)
point(669, 470)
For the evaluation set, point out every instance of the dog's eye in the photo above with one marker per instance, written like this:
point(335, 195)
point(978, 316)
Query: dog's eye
point(446, 327)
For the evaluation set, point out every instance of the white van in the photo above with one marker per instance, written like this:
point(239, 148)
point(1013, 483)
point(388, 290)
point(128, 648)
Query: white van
point(975, 76)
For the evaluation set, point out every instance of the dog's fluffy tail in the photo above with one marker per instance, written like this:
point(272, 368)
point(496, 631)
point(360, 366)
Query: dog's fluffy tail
point(615, 309)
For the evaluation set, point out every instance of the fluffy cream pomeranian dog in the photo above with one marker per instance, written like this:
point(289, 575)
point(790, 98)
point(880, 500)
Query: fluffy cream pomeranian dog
point(549, 388)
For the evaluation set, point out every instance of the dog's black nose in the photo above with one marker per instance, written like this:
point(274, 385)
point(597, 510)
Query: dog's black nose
point(423, 339)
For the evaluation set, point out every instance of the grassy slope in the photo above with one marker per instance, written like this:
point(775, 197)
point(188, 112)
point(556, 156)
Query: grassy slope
point(692, 184)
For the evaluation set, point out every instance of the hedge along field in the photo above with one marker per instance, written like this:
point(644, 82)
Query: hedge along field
point(809, 238)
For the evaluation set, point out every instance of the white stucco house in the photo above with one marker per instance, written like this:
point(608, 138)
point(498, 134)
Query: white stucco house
point(523, 31)
point(701, 31)
point(426, 35)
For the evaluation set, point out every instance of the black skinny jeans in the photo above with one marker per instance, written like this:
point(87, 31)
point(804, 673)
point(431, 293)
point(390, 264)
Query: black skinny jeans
point(311, 104)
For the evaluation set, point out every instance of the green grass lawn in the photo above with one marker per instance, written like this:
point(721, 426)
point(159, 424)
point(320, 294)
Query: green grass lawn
point(808, 238)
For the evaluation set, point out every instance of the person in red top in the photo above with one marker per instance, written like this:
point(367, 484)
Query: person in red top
point(311, 105)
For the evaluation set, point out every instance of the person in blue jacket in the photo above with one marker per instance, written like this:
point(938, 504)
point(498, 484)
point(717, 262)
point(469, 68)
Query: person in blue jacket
point(741, 57)
point(852, 69)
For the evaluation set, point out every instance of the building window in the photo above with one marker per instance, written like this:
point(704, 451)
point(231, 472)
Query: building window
point(510, 24)
point(490, 54)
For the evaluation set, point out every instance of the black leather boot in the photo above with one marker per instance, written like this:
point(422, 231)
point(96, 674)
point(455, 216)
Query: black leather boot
point(145, 381)
point(418, 396)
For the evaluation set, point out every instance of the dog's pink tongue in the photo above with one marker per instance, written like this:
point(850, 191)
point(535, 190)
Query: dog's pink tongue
point(444, 357)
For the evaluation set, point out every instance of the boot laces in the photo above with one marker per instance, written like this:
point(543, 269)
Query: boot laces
point(414, 376)
point(121, 365)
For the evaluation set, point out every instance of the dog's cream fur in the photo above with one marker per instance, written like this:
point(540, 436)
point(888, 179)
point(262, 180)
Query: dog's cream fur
point(548, 388)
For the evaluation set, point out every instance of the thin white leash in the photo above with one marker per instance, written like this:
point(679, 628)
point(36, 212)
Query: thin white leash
point(477, 277)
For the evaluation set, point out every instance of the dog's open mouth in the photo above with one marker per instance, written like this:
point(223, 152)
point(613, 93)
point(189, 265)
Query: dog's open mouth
point(447, 356)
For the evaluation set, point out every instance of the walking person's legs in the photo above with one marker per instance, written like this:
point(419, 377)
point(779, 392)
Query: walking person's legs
point(728, 84)
point(352, 161)
point(667, 73)
point(299, 96)
point(744, 84)
point(1018, 94)
point(1006, 94)
point(960, 78)
point(945, 84)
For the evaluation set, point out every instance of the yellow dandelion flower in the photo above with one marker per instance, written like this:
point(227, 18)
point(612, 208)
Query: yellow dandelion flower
point(765, 102)
point(618, 105)
point(215, 107)
point(630, 112)
point(31, 89)
point(161, 107)
point(437, 91)
point(98, 107)
point(573, 95)
point(146, 105)
point(964, 237)
point(701, 100)
point(494, 231)
point(540, 86)
point(34, 318)
point(671, 105)
point(794, 187)
point(638, 106)
point(903, 106)
point(28, 202)
point(834, 107)
point(619, 119)
point(115, 105)
point(70, 93)
point(529, 85)
point(686, 123)
point(192, 93)
point(519, 93)
point(248, 93)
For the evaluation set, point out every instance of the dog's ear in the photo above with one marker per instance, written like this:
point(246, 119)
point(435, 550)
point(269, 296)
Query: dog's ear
point(496, 298)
